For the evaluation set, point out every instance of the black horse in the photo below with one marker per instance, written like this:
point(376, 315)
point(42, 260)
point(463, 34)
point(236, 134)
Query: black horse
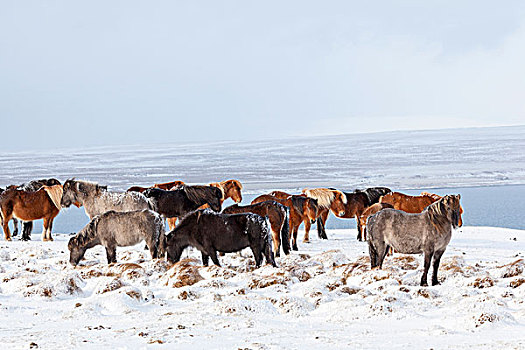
point(374, 193)
point(34, 185)
point(211, 232)
point(180, 201)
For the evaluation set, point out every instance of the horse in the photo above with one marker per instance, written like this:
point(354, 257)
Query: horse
point(96, 199)
point(374, 193)
point(119, 229)
point(34, 185)
point(229, 189)
point(407, 203)
point(137, 189)
point(180, 201)
point(438, 197)
point(276, 213)
point(371, 210)
point(29, 206)
point(169, 185)
point(301, 209)
point(428, 232)
point(328, 200)
point(210, 232)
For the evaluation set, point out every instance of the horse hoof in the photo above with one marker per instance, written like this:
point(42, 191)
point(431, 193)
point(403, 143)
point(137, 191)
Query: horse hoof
point(306, 241)
point(295, 247)
point(8, 239)
point(436, 283)
point(424, 284)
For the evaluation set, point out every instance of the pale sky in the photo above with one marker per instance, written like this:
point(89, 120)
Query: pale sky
point(76, 73)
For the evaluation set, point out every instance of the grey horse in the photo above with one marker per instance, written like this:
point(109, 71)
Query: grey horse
point(120, 229)
point(428, 232)
point(97, 199)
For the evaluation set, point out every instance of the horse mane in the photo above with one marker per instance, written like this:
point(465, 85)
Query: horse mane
point(198, 193)
point(324, 196)
point(87, 234)
point(229, 183)
point(220, 187)
point(55, 194)
point(92, 186)
point(434, 196)
point(438, 213)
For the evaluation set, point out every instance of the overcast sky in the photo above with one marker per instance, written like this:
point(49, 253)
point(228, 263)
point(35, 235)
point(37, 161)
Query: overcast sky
point(75, 73)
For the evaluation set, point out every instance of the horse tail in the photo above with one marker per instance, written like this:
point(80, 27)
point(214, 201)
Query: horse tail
point(285, 231)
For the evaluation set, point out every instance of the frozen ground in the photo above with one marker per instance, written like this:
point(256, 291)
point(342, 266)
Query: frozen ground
point(322, 297)
point(410, 159)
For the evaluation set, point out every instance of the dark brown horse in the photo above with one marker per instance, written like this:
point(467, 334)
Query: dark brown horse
point(29, 206)
point(302, 209)
point(276, 213)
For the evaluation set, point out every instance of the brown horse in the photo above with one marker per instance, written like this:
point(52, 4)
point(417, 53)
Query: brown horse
point(230, 189)
point(276, 213)
point(407, 203)
point(137, 189)
point(371, 210)
point(29, 206)
point(301, 209)
point(328, 200)
point(168, 185)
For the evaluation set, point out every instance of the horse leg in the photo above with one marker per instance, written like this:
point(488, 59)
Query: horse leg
point(428, 258)
point(205, 259)
point(49, 229)
point(27, 228)
point(213, 256)
point(257, 254)
point(294, 234)
point(268, 253)
point(172, 222)
point(324, 217)
point(47, 223)
point(373, 255)
point(437, 259)
point(5, 226)
point(307, 226)
point(15, 227)
point(111, 254)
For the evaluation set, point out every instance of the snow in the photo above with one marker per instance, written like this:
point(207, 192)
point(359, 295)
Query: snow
point(322, 297)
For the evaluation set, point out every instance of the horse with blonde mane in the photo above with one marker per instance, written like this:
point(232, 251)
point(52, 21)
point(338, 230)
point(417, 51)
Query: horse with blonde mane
point(301, 209)
point(31, 205)
point(328, 200)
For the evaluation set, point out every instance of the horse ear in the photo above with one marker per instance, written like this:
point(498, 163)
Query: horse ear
point(79, 187)
point(459, 196)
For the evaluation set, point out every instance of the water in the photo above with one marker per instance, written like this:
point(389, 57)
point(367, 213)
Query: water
point(499, 206)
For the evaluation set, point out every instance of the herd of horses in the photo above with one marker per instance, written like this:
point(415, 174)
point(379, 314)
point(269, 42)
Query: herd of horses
point(385, 219)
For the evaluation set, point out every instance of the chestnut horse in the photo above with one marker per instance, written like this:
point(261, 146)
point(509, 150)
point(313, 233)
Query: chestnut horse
point(301, 209)
point(276, 213)
point(169, 185)
point(230, 189)
point(163, 186)
point(371, 210)
point(408, 203)
point(328, 200)
point(29, 206)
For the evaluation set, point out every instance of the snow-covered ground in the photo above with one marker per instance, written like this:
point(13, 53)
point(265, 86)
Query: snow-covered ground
point(322, 297)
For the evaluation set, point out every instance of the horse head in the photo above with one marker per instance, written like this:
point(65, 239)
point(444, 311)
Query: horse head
point(232, 189)
point(339, 202)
